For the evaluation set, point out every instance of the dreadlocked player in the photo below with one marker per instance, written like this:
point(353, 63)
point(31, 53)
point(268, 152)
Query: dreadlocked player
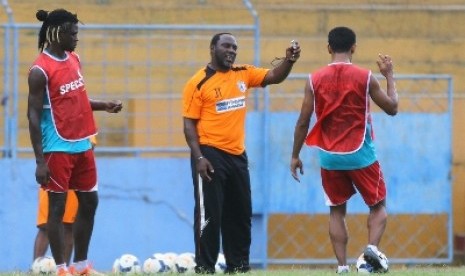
point(60, 124)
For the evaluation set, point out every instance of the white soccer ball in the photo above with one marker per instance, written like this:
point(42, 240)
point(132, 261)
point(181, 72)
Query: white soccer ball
point(115, 267)
point(127, 263)
point(220, 265)
point(362, 266)
point(185, 263)
point(44, 265)
point(169, 259)
point(154, 265)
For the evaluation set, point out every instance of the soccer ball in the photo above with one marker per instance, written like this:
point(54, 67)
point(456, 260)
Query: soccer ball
point(115, 267)
point(127, 263)
point(169, 259)
point(44, 265)
point(363, 266)
point(185, 263)
point(220, 265)
point(154, 265)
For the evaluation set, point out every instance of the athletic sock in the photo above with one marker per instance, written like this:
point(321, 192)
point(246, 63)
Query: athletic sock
point(61, 266)
point(373, 247)
point(81, 265)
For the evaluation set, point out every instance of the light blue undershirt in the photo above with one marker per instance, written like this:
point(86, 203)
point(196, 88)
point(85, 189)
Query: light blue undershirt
point(51, 142)
point(362, 158)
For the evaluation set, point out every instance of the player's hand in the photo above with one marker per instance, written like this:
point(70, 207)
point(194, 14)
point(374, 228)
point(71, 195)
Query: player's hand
point(114, 106)
point(42, 174)
point(205, 169)
point(386, 68)
point(296, 163)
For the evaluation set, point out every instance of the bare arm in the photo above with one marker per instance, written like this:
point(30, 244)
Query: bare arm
point(36, 82)
point(113, 106)
point(280, 72)
point(301, 129)
point(388, 101)
point(204, 167)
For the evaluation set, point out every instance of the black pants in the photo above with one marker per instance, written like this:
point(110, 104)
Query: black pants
point(223, 208)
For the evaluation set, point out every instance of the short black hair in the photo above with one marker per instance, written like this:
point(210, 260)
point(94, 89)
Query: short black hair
point(54, 22)
point(341, 39)
point(216, 37)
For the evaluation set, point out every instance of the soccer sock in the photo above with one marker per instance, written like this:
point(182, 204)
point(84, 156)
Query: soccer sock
point(61, 266)
point(81, 265)
point(373, 247)
point(341, 268)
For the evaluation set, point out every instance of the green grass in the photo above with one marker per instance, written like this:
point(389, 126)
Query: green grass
point(424, 270)
point(412, 271)
point(327, 272)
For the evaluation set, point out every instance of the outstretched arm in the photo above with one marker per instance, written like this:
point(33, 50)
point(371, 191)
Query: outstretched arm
point(280, 72)
point(301, 130)
point(388, 101)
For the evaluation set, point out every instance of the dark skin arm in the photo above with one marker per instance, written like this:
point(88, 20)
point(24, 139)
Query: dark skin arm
point(204, 167)
point(37, 82)
point(301, 130)
point(113, 106)
point(387, 100)
point(280, 72)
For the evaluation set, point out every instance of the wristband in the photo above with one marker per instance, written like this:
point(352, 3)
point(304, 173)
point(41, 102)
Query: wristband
point(200, 157)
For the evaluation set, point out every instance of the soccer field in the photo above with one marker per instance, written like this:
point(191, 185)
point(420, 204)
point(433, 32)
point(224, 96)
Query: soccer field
point(437, 271)
point(414, 271)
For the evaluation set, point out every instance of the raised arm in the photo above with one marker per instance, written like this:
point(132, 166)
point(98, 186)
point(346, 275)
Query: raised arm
point(388, 101)
point(280, 72)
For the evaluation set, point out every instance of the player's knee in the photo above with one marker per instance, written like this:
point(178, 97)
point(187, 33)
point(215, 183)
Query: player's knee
point(380, 206)
point(88, 203)
point(56, 211)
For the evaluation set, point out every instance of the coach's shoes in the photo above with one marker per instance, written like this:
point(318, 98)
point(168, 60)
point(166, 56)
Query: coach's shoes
point(376, 259)
point(88, 271)
point(203, 270)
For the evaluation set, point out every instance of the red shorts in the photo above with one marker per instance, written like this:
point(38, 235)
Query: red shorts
point(71, 171)
point(340, 185)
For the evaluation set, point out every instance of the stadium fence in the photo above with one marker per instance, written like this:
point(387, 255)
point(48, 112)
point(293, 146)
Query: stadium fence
point(146, 67)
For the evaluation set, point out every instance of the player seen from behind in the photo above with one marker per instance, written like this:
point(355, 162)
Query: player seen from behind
point(339, 94)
